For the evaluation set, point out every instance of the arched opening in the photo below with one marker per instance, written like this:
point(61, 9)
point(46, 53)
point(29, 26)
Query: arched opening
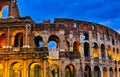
point(38, 41)
point(1, 70)
point(109, 53)
point(70, 71)
point(18, 40)
point(87, 71)
point(113, 42)
point(54, 70)
point(53, 42)
point(115, 72)
point(111, 72)
point(105, 72)
point(4, 12)
point(86, 36)
point(34, 70)
point(16, 70)
point(118, 55)
point(86, 49)
point(68, 45)
point(95, 50)
point(114, 55)
point(97, 72)
point(76, 46)
point(103, 51)
point(119, 71)
point(2, 40)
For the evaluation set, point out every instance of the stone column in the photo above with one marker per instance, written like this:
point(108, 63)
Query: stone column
point(8, 38)
point(108, 72)
point(71, 42)
point(27, 27)
point(7, 69)
point(46, 73)
point(106, 53)
point(45, 39)
point(92, 70)
point(25, 71)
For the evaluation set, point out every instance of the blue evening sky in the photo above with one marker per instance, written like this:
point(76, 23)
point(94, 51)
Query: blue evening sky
point(106, 12)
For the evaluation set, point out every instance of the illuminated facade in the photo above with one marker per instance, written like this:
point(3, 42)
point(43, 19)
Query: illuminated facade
point(82, 49)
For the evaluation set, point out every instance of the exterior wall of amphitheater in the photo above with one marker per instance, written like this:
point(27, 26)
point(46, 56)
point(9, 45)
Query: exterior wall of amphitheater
point(84, 49)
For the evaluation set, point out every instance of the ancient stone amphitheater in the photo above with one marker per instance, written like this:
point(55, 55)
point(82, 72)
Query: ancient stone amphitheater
point(79, 48)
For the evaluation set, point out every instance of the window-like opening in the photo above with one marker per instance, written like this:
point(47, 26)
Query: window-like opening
point(38, 41)
point(87, 71)
point(109, 52)
point(118, 55)
point(1, 70)
point(97, 72)
point(114, 54)
point(2, 40)
point(75, 24)
point(34, 70)
point(53, 42)
point(103, 51)
point(115, 72)
point(111, 72)
point(69, 71)
point(18, 41)
point(76, 46)
point(86, 36)
point(105, 72)
point(113, 42)
point(93, 27)
point(16, 70)
point(54, 70)
point(4, 13)
point(86, 49)
point(95, 50)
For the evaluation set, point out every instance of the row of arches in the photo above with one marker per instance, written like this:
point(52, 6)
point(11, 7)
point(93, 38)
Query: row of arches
point(16, 40)
point(53, 41)
point(97, 51)
point(35, 69)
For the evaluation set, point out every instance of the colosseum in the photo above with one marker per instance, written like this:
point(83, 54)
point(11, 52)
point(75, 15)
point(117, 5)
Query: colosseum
point(81, 49)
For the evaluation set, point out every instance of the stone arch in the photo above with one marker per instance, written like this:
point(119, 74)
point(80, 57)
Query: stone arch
point(35, 70)
point(111, 72)
point(18, 40)
point(2, 40)
point(114, 54)
point(70, 71)
point(86, 36)
point(16, 70)
point(76, 46)
point(12, 6)
point(87, 71)
point(54, 70)
point(109, 50)
point(105, 72)
point(38, 41)
point(97, 72)
point(103, 54)
point(54, 40)
point(86, 49)
point(1, 70)
point(118, 54)
point(14, 33)
point(4, 12)
point(95, 50)
point(115, 72)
